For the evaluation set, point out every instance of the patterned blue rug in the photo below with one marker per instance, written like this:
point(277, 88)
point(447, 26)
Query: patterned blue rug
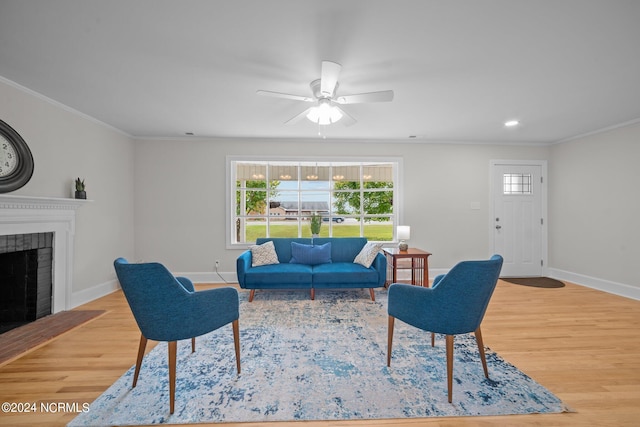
point(317, 360)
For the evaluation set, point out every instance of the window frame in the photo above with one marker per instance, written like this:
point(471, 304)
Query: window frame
point(231, 179)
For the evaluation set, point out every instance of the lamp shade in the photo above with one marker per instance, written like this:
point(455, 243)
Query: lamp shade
point(404, 232)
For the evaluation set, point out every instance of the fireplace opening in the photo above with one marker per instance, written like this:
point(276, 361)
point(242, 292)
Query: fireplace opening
point(26, 262)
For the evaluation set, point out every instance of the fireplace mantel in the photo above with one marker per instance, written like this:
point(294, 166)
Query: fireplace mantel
point(31, 202)
point(28, 214)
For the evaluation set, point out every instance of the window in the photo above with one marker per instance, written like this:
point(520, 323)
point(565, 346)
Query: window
point(278, 198)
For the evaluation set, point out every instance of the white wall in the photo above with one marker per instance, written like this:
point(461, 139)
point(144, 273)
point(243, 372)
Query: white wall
point(594, 231)
point(180, 195)
point(66, 145)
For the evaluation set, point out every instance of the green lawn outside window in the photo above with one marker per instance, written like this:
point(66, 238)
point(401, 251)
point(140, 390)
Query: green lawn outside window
point(373, 232)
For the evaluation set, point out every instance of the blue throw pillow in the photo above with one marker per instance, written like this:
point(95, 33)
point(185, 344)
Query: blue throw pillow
point(309, 254)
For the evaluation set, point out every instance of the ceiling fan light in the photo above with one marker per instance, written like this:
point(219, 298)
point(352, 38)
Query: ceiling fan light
point(324, 120)
point(324, 114)
point(334, 114)
point(314, 114)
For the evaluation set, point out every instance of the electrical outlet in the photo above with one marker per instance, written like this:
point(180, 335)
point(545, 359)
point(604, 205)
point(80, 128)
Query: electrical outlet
point(217, 263)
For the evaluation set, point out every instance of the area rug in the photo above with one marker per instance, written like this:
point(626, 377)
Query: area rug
point(535, 282)
point(18, 341)
point(317, 360)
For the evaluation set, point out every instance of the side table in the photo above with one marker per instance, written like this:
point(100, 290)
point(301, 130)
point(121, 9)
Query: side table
point(412, 259)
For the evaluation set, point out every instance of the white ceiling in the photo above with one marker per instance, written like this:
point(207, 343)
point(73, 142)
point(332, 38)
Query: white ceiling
point(459, 69)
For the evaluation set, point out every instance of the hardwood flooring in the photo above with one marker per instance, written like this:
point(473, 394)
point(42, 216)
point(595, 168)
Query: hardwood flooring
point(582, 344)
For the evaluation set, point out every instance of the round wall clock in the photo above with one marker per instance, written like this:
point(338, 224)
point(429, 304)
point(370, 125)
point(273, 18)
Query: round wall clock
point(16, 161)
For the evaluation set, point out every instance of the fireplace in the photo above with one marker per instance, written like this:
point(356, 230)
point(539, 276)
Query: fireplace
point(26, 273)
point(25, 219)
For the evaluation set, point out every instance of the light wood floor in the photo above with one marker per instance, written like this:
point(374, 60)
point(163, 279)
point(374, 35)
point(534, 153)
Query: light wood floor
point(582, 344)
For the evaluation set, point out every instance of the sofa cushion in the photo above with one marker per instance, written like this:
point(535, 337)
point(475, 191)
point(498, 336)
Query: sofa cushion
point(279, 275)
point(368, 254)
point(343, 249)
point(283, 246)
point(343, 273)
point(309, 254)
point(263, 254)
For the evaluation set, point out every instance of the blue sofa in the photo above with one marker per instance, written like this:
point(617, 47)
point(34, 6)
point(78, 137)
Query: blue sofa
point(340, 272)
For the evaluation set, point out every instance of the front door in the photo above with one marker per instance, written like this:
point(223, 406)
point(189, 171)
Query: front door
point(517, 222)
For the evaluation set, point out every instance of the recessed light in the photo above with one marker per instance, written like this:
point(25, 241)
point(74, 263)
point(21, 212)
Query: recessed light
point(511, 123)
point(412, 136)
point(189, 133)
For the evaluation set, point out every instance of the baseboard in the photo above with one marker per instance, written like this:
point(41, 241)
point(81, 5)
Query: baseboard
point(211, 277)
point(608, 286)
point(435, 272)
point(87, 295)
point(231, 276)
point(621, 289)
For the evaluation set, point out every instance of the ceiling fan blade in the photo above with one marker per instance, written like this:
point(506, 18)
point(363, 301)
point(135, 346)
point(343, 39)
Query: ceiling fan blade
point(382, 96)
point(329, 78)
point(346, 119)
point(284, 95)
point(297, 118)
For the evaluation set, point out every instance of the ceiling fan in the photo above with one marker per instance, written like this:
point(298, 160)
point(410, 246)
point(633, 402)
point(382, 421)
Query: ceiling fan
point(324, 90)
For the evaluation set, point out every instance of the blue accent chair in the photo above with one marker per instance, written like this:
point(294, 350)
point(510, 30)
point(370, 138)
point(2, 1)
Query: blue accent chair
point(455, 304)
point(167, 308)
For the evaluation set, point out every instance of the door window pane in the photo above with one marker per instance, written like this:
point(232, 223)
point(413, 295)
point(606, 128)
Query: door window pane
point(517, 183)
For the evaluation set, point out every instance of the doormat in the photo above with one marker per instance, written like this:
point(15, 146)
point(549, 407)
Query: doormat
point(16, 342)
point(305, 360)
point(535, 282)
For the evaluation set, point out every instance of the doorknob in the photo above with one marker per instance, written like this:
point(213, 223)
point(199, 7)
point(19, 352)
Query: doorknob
point(498, 227)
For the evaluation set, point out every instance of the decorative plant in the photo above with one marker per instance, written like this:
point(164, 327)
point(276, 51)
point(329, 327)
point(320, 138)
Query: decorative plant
point(79, 184)
point(80, 193)
point(316, 223)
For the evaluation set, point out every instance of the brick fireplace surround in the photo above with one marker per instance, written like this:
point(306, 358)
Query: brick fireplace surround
point(26, 215)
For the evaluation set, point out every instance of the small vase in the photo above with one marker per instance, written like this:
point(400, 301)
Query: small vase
point(81, 194)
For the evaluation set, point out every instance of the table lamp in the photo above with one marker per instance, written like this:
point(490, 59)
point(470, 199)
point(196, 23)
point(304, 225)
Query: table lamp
point(404, 233)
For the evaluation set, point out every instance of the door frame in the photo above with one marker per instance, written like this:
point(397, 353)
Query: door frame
point(544, 245)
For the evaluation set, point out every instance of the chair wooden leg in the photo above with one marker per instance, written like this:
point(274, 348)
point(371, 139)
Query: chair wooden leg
point(390, 339)
point(433, 339)
point(193, 344)
point(173, 346)
point(313, 294)
point(252, 294)
point(478, 335)
point(450, 365)
point(141, 348)
point(373, 295)
point(236, 341)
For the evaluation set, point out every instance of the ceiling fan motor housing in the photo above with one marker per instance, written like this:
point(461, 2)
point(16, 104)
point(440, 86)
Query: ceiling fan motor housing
point(317, 92)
